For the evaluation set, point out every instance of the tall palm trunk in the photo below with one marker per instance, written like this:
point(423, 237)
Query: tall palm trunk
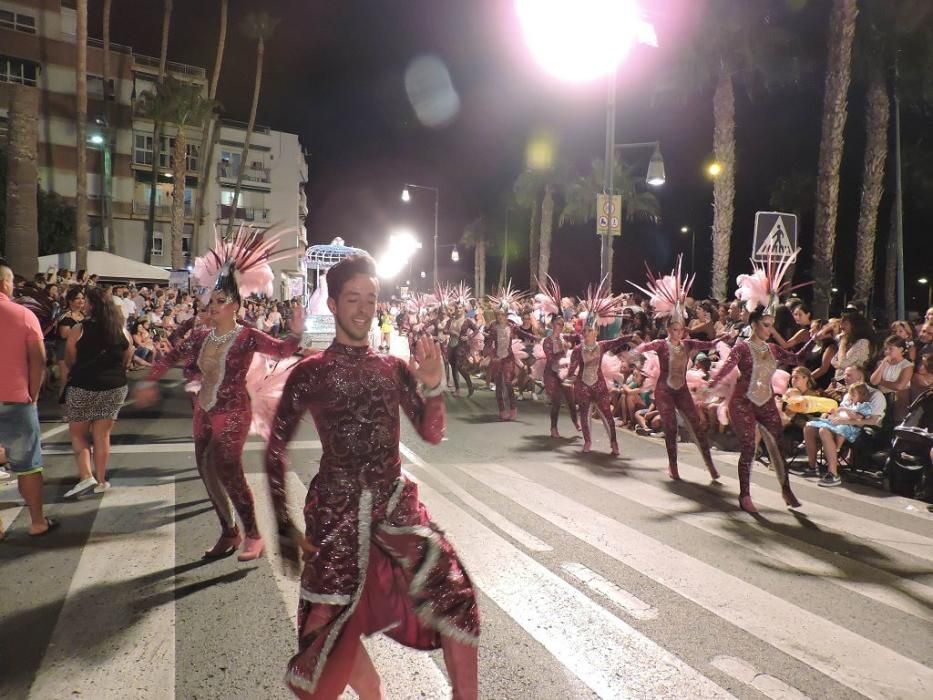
point(832, 140)
point(207, 132)
point(481, 254)
point(157, 131)
point(547, 231)
point(244, 154)
point(22, 231)
point(82, 230)
point(890, 270)
point(724, 184)
point(107, 172)
point(178, 197)
point(878, 113)
point(534, 241)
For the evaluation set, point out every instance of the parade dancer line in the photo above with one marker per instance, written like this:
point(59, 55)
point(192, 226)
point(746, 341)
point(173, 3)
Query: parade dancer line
point(586, 371)
point(752, 404)
point(668, 296)
point(502, 360)
point(222, 355)
point(555, 348)
point(374, 560)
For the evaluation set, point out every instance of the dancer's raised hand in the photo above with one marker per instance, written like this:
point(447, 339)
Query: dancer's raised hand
point(426, 364)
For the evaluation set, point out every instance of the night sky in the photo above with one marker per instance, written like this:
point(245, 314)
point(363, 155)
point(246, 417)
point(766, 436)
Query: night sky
point(335, 76)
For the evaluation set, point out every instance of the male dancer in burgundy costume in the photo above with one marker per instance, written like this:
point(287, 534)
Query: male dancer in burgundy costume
point(502, 361)
point(555, 348)
point(460, 330)
point(374, 560)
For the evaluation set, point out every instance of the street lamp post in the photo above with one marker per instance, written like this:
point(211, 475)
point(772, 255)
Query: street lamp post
point(929, 285)
point(406, 196)
point(693, 240)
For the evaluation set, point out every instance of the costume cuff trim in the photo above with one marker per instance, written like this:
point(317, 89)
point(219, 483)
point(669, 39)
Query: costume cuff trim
point(436, 391)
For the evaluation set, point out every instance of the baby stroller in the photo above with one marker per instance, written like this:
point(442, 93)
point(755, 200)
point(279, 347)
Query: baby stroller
point(909, 471)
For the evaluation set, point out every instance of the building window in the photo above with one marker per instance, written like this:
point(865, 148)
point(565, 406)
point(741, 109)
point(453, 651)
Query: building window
point(192, 157)
point(142, 151)
point(15, 70)
point(165, 155)
point(95, 87)
point(186, 244)
point(157, 243)
point(229, 164)
point(17, 21)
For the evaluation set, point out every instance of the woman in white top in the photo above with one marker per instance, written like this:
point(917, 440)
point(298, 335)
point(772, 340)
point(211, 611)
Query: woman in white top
point(893, 374)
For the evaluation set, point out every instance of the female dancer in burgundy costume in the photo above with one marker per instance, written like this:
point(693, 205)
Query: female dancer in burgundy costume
point(586, 371)
point(671, 394)
point(555, 347)
point(460, 330)
point(374, 560)
point(502, 360)
point(752, 402)
point(222, 355)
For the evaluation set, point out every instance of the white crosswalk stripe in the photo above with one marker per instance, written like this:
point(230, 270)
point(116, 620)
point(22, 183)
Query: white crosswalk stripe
point(606, 639)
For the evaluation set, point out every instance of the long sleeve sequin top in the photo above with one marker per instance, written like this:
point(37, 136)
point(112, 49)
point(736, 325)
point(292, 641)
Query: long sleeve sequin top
point(499, 339)
point(756, 368)
point(223, 373)
point(673, 359)
point(354, 396)
point(586, 365)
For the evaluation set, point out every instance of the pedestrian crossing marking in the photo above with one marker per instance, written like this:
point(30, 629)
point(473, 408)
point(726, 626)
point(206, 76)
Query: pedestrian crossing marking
point(850, 659)
point(764, 683)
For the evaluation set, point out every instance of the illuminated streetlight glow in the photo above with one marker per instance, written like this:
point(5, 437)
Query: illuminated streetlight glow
point(581, 40)
point(96, 139)
point(656, 176)
point(835, 290)
point(684, 229)
point(406, 195)
point(455, 255)
point(714, 169)
point(423, 274)
point(923, 280)
point(402, 246)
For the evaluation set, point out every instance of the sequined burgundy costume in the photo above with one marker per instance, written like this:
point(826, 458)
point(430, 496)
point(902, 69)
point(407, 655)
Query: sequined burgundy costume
point(381, 564)
point(222, 413)
point(671, 395)
point(459, 331)
point(502, 363)
point(555, 348)
point(752, 404)
point(590, 388)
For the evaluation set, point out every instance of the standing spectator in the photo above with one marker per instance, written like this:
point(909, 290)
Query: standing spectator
point(74, 314)
point(22, 357)
point(274, 322)
point(98, 353)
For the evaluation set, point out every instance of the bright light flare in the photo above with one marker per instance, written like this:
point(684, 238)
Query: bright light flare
point(581, 40)
point(923, 280)
point(714, 169)
point(96, 139)
point(402, 246)
point(684, 229)
point(406, 195)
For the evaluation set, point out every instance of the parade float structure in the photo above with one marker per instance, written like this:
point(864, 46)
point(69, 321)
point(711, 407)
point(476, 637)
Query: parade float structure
point(319, 322)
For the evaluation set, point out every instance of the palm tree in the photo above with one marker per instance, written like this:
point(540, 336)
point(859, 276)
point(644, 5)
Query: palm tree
point(108, 118)
point(580, 197)
point(735, 44)
point(260, 27)
point(182, 104)
point(530, 189)
point(207, 133)
point(157, 129)
point(22, 239)
point(835, 109)
point(474, 236)
point(82, 232)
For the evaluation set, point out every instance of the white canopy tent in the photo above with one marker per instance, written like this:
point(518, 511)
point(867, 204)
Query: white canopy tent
point(107, 266)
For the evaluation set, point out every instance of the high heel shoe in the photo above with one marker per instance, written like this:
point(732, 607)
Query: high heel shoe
point(673, 472)
point(226, 545)
point(713, 472)
point(745, 503)
point(789, 498)
point(587, 447)
point(252, 549)
point(614, 451)
point(555, 434)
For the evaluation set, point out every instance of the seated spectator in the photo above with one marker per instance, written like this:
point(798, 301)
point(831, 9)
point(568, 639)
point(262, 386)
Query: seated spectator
point(905, 330)
point(924, 340)
point(893, 374)
point(843, 424)
point(923, 376)
point(801, 385)
point(819, 360)
point(854, 337)
point(801, 331)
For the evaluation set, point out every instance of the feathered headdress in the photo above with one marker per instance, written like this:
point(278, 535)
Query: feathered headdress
point(444, 295)
point(462, 295)
point(418, 304)
point(548, 300)
point(40, 303)
point(240, 266)
point(600, 307)
point(507, 300)
point(668, 294)
point(764, 287)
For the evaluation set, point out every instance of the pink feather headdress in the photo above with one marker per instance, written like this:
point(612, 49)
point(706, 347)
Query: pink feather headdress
point(419, 304)
point(507, 300)
point(444, 295)
point(242, 262)
point(462, 295)
point(668, 294)
point(600, 306)
point(548, 300)
point(764, 287)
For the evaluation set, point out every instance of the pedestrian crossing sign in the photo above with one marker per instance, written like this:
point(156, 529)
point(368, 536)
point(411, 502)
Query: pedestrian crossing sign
point(775, 234)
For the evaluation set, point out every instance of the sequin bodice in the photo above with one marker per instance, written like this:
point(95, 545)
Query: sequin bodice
point(763, 368)
point(503, 341)
point(554, 348)
point(592, 357)
point(676, 365)
point(212, 361)
point(453, 331)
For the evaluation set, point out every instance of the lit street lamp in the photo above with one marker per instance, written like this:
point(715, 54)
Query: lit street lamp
point(924, 280)
point(406, 197)
point(583, 40)
point(693, 239)
point(714, 169)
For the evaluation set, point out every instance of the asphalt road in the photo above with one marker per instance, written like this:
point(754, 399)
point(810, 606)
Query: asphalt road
point(598, 577)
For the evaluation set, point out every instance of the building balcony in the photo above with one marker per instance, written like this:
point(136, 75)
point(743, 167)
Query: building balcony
point(162, 211)
point(251, 214)
point(152, 62)
point(256, 175)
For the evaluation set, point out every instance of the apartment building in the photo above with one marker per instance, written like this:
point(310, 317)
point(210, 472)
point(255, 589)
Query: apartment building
point(37, 48)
